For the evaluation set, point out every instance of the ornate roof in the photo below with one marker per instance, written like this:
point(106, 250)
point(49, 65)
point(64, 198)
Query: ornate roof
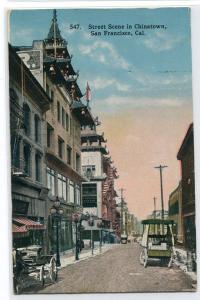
point(54, 31)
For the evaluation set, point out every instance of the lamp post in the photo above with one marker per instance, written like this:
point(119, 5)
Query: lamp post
point(91, 224)
point(56, 212)
point(99, 225)
point(77, 219)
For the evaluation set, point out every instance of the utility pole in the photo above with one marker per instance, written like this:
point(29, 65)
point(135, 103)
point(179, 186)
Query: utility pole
point(154, 212)
point(122, 209)
point(161, 189)
point(154, 203)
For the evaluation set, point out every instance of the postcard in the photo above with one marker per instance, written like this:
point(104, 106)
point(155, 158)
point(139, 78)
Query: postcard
point(102, 151)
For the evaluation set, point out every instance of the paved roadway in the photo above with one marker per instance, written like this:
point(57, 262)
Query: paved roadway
point(118, 270)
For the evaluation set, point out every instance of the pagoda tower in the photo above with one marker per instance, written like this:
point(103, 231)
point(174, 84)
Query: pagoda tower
point(58, 60)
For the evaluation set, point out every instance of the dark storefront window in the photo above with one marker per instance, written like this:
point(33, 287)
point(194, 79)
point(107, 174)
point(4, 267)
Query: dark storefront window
point(65, 236)
point(89, 192)
point(174, 208)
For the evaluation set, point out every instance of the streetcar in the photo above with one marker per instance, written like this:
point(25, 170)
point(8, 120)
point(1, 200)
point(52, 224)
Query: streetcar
point(157, 242)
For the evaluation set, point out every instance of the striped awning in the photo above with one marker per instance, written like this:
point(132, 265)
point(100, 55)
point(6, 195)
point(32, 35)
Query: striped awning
point(19, 231)
point(28, 223)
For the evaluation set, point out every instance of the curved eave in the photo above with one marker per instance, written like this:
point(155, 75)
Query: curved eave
point(82, 113)
point(102, 149)
point(92, 137)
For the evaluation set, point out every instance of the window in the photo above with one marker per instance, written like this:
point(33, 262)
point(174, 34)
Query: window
point(51, 180)
point(71, 126)
point(69, 155)
point(60, 147)
point(78, 162)
point(78, 194)
point(71, 191)
point(27, 119)
point(89, 195)
point(62, 187)
point(89, 171)
point(63, 117)
point(38, 176)
point(67, 121)
point(15, 151)
point(58, 111)
point(37, 128)
point(27, 160)
point(49, 135)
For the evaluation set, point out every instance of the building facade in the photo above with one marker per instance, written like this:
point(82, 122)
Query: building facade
point(98, 192)
point(50, 63)
point(28, 105)
point(186, 157)
point(175, 212)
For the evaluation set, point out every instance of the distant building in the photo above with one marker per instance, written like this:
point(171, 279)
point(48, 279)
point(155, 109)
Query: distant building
point(98, 192)
point(109, 206)
point(175, 212)
point(157, 214)
point(186, 156)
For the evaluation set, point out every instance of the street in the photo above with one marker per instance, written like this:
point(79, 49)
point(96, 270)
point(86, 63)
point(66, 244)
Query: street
point(118, 270)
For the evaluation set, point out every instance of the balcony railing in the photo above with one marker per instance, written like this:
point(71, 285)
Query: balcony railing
point(18, 168)
point(16, 114)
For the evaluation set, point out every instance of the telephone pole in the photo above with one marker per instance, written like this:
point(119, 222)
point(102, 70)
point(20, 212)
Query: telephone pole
point(122, 209)
point(154, 203)
point(161, 189)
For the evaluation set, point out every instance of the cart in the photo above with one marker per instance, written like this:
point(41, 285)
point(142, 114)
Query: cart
point(157, 242)
point(30, 267)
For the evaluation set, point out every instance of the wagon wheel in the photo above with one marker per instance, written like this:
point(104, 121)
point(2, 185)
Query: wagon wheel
point(170, 262)
point(143, 257)
point(42, 275)
point(16, 286)
point(53, 270)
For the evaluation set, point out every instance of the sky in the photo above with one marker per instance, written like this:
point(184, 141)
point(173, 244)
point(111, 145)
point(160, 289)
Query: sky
point(141, 88)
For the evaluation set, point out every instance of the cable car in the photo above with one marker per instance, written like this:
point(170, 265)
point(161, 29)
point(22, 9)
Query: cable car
point(157, 241)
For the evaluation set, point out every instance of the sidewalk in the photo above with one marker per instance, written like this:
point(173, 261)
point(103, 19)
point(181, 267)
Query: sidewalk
point(69, 257)
point(182, 263)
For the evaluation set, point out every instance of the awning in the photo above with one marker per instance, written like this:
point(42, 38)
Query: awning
point(19, 231)
point(30, 224)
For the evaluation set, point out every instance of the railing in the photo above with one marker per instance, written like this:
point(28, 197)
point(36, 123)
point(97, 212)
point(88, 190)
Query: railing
point(18, 168)
point(16, 113)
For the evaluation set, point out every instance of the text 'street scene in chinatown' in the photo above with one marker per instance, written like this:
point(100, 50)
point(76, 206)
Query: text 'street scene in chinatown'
point(102, 151)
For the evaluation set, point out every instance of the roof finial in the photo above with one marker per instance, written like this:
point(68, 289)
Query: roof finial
point(55, 14)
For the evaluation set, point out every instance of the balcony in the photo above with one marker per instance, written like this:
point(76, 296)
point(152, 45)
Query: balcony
point(18, 168)
point(93, 148)
point(16, 115)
